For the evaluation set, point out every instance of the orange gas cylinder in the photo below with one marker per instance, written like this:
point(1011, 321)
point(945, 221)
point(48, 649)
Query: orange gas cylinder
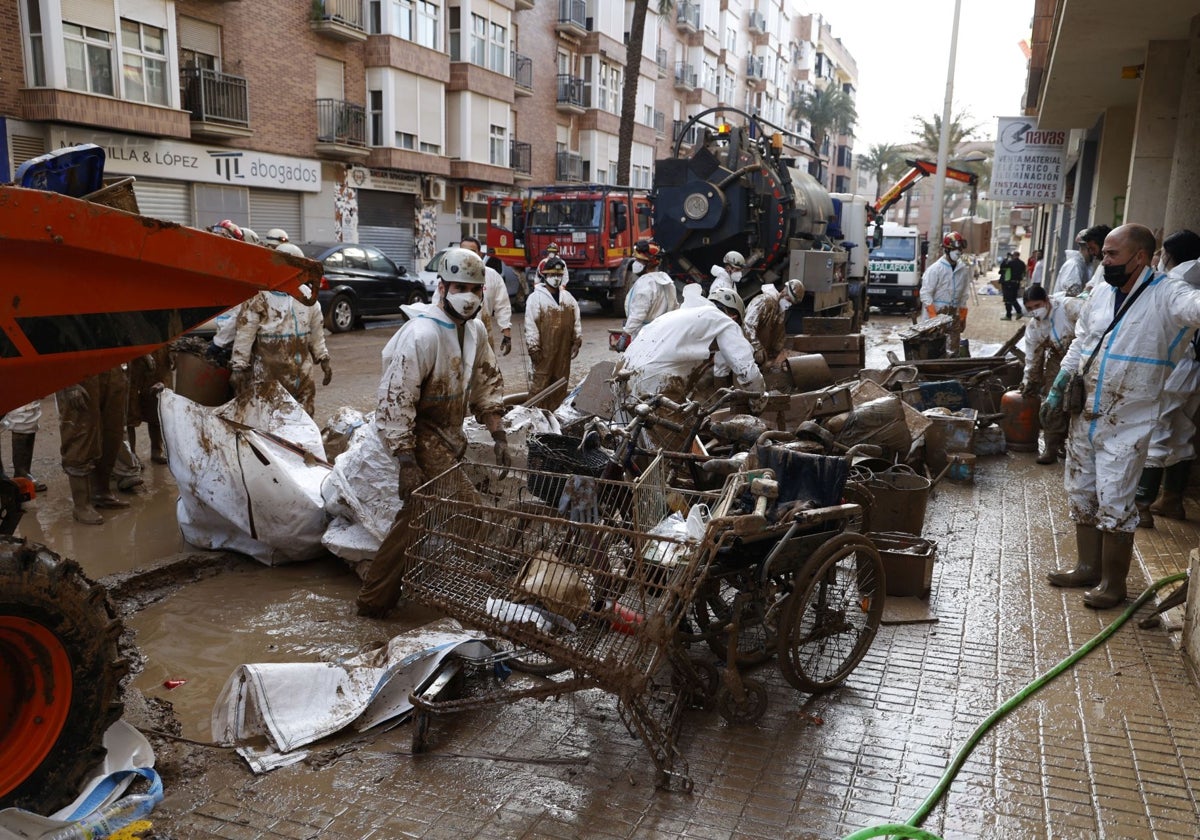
point(1020, 421)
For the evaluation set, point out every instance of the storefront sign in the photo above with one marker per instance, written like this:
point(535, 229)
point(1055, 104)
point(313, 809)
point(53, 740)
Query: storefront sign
point(1028, 164)
point(473, 195)
point(147, 157)
point(391, 180)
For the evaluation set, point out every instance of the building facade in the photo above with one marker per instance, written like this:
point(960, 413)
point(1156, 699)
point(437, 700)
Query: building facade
point(388, 122)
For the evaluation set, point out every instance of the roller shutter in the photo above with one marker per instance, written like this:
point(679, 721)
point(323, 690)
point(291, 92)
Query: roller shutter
point(385, 221)
point(276, 209)
point(167, 200)
point(98, 14)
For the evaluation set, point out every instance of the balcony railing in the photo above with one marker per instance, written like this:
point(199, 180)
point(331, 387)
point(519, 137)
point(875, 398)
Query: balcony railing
point(520, 156)
point(572, 16)
point(754, 67)
point(687, 16)
point(690, 137)
point(523, 72)
point(343, 123)
point(569, 167)
point(685, 76)
point(215, 97)
point(570, 92)
point(757, 22)
point(339, 19)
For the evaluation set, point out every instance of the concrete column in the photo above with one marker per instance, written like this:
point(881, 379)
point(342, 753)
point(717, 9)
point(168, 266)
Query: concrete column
point(1112, 165)
point(1183, 210)
point(1154, 133)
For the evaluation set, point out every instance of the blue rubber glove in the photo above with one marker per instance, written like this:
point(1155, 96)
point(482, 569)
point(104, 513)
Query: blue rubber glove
point(1055, 397)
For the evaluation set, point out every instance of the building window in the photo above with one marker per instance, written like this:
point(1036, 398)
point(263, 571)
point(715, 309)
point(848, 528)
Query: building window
point(376, 98)
point(498, 146)
point(37, 58)
point(498, 50)
point(143, 62)
point(402, 19)
point(431, 148)
point(404, 140)
point(428, 24)
point(88, 58)
point(478, 40)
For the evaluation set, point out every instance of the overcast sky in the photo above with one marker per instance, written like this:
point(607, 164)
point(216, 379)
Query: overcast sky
point(903, 48)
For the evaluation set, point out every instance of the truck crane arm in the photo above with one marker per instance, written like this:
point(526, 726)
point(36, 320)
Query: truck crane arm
point(919, 169)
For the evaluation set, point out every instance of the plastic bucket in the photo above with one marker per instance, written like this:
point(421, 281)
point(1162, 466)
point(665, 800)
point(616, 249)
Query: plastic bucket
point(201, 381)
point(900, 501)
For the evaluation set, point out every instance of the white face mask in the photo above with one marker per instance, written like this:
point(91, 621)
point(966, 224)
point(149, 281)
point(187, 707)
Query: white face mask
point(954, 255)
point(1162, 266)
point(735, 276)
point(1040, 314)
point(464, 304)
point(638, 266)
point(553, 280)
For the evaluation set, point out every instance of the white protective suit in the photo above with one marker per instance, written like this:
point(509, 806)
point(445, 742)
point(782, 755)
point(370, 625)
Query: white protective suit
point(279, 338)
point(667, 353)
point(1073, 276)
point(1108, 442)
point(1050, 336)
point(652, 295)
point(429, 380)
point(497, 308)
point(1171, 441)
point(553, 334)
point(764, 325)
point(1039, 271)
point(945, 284)
point(23, 420)
point(722, 279)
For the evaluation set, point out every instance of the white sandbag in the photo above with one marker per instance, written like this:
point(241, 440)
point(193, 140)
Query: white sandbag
point(361, 488)
point(350, 540)
point(253, 490)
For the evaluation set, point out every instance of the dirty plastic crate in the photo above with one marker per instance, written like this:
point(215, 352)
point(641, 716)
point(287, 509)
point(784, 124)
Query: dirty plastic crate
point(907, 563)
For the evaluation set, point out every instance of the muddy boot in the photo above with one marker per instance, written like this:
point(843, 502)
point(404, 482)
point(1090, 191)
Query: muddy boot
point(22, 452)
point(156, 443)
point(1147, 490)
point(1115, 559)
point(102, 496)
point(1087, 566)
point(1050, 450)
point(1174, 483)
point(81, 497)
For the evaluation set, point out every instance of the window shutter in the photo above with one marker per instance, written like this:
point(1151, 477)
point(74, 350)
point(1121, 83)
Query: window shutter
point(98, 14)
point(199, 36)
point(329, 79)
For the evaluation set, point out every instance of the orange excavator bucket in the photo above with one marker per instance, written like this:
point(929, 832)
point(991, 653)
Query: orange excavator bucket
point(86, 287)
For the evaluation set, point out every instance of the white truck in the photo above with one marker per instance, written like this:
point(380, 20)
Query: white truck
point(896, 262)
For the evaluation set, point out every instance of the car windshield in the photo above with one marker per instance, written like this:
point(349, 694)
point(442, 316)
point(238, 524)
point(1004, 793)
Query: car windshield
point(575, 214)
point(896, 248)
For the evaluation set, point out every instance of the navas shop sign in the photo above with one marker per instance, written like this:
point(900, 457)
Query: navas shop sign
point(1028, 164)
point(145, 157)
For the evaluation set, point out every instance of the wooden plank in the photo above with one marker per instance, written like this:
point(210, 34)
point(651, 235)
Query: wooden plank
point(827, 326)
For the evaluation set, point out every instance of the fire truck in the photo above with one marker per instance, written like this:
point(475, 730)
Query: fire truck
point(594, 227)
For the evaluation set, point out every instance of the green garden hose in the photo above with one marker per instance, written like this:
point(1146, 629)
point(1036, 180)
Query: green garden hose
point(910, 829)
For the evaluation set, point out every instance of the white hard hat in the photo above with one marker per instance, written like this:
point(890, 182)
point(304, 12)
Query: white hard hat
point(459, 265)
point(729, 299)
point(735, 259)
point(551, 271)
point(794, 289)
point(250, 236)
point(289, 248)
point(277, 235)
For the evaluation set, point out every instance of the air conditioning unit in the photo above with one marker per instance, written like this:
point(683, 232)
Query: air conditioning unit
point(435, 189)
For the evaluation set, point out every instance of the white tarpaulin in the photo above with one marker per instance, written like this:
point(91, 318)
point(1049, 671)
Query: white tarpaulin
point(295, 704)
point(1029, 163)
point(249, 475)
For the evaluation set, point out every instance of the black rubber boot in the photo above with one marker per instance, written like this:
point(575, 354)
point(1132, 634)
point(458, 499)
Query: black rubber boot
point(1147, 492)
point(1049, 454)
point(1115, 559)
point(1175, 481)
point(1087, 566)
point(22, 452)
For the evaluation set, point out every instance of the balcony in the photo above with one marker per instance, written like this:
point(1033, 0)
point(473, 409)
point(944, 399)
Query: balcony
point(219, 103)
point(570, 94)
point(660, 58)
point(341, 130)
point(757, 23)
point(690, 137)
point(660, 123)
point(685, 77)
point(569, 167)
point(524, 5)
point(687, 17)
point(341, 20)
point(522, 74)
point(755, 72)
point(572, 18)
point(520, 157)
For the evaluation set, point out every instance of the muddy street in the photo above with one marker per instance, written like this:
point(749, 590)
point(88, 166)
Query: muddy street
point(1107, 750)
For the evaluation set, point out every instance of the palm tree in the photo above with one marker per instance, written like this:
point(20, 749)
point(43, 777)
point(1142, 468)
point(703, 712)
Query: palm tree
point(879, 158)
point(826, 110)
point(929, 133)
point(633, 71)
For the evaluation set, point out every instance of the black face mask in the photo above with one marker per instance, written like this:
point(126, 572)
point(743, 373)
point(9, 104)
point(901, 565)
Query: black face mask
point(1117, 275)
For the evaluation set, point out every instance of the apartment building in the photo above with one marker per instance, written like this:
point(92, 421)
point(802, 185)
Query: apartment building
point(820, 60)
point(388, 122)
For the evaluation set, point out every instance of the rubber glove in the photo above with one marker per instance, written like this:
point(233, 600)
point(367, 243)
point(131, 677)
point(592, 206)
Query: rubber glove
point(575, 345)
point(500, 448)
point(506, 345)
point(535, 355)
point(931, 311)
point(328, 368)
point(1055, 397)
point(239, 378)
point(411, 476)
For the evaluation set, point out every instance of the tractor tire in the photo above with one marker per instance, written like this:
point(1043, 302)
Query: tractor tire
point(61, 671)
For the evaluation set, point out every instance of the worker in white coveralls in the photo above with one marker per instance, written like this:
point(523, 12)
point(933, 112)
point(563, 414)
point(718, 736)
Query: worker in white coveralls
point(652, 295)
point(1125, 339)
point(944, 288)
point(1171, 450)
point(729, 273)
point(669, 355)
point(1082, 266)
point(1048, 336)
point(278, 338)
point(436, 366)
point(765, 321)
point(553, 331)
point(23, 423)
point(497, 308)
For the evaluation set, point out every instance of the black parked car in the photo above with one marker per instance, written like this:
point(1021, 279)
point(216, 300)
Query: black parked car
point(360, 280)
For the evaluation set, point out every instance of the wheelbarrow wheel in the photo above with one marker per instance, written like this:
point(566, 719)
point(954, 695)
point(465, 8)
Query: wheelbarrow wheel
point(829, 622)
point(752, 706)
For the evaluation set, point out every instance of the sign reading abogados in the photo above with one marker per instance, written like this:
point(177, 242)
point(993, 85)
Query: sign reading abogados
point(1028, 164)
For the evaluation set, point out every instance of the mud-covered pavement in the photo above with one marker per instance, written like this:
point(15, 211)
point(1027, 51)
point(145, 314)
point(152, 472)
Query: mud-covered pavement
point(1108, 750)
